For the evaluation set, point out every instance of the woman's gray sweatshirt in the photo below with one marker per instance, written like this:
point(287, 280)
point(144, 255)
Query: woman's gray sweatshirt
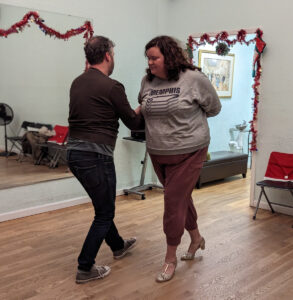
point(176, 112)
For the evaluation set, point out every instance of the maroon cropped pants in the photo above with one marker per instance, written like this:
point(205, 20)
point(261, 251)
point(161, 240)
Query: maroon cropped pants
point(178, 174)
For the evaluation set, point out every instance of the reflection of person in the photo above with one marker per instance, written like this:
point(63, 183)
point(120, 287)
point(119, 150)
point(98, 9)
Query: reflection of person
point(176, 100)
point(96, 104)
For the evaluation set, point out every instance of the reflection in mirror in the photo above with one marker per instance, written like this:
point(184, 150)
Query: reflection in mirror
point(36, 74)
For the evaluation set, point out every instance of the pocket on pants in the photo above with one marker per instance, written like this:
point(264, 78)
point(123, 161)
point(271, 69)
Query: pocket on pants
point(90, 177)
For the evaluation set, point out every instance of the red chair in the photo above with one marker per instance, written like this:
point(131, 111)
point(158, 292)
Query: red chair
point(60, 136)
point(279, 175)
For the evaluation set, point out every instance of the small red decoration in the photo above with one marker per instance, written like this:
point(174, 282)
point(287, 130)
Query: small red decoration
point(240, 38)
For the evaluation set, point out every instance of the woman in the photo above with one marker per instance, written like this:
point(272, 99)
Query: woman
point(176, 99)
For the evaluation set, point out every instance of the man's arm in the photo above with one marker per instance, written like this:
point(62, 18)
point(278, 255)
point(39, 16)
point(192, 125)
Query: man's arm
point(123, 109)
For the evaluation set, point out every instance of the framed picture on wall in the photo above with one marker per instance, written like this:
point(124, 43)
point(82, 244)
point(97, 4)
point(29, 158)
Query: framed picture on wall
point(219, 70)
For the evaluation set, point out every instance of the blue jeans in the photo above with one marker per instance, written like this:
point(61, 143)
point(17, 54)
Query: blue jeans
point(96, 173)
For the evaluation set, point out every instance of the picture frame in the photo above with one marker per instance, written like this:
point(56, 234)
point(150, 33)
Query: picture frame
point(219, 70)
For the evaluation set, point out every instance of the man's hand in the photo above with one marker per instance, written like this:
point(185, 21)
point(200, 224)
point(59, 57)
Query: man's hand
point(137, 110)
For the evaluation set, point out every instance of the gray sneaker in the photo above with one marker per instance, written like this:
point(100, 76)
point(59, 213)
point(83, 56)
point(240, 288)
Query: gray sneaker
point(128, 244)
point(96, 272)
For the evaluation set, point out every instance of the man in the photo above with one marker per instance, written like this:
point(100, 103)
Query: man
point(96, 104)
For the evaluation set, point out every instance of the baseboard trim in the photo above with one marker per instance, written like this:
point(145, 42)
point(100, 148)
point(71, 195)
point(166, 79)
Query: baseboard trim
point(278, 209)
point(46, 208)
point(42, 208)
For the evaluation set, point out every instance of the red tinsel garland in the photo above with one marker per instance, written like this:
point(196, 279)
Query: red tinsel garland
point(223, 36)
point(34, 17)
point(255, 99)
point(240, 38)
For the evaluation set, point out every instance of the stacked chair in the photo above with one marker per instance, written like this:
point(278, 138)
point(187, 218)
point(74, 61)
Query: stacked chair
point(56, 145)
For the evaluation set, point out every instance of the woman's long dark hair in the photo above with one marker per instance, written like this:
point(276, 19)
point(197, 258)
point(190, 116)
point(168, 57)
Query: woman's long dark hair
point(174, 57)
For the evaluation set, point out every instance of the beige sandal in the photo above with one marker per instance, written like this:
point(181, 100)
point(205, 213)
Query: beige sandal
point(189, 255)
point(163, 276)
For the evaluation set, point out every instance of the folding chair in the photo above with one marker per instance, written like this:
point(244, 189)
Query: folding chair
point(16, 141)
point(279, 175)
point(57, 145)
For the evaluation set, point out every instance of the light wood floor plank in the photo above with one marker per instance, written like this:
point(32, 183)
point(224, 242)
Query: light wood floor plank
point(244, 259)
point(14, 173)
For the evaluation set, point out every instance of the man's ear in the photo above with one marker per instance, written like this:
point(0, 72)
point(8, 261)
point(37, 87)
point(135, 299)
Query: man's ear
point(107, 56)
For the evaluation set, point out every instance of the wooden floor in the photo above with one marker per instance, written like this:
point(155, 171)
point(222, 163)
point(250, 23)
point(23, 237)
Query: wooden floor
point(244, 259)
point(14, 173)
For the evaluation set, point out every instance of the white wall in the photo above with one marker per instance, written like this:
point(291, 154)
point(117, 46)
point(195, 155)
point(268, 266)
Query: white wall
point(130, 24)
point(185, 17)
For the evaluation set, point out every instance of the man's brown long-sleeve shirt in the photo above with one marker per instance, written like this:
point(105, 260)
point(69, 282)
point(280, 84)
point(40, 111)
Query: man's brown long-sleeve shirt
point(96, 104)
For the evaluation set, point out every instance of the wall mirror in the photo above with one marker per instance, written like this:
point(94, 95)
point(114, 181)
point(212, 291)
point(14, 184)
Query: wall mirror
point(36, 74)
